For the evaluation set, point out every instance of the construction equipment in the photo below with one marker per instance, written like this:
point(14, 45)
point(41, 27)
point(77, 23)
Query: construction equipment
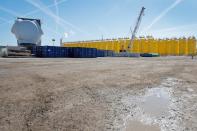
point(139, 19)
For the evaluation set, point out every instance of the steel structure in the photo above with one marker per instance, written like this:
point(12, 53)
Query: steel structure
point(139, 19)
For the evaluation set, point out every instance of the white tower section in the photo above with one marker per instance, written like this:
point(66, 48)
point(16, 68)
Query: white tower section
point(27, 32)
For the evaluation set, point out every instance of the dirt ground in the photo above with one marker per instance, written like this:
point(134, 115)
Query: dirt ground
point(101, 94)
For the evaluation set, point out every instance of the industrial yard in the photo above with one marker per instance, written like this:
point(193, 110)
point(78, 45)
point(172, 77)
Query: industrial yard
point(101, 94)
point(100, 65)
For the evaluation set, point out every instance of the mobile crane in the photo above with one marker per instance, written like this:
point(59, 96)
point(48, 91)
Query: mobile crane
point(139, 19)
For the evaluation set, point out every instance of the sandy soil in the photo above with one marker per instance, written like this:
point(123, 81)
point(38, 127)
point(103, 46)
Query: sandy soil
point(101, 94)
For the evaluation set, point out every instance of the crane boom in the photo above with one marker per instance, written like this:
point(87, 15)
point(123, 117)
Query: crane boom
point(136, 28)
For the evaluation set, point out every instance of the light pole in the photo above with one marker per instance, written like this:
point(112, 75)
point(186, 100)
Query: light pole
point(53, 40)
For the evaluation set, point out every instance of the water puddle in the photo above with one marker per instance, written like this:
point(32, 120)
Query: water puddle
point(138, 126)
point(156, 102)
point(154, 110)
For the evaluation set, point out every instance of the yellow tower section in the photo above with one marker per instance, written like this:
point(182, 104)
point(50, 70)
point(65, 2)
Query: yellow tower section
point(167, 49)
point(175, 47)
point(143, 45)
point(191, 46)
point(155, 46)
point(150, 43)
point(161, 47)
point(136, 46)
point(182, 46)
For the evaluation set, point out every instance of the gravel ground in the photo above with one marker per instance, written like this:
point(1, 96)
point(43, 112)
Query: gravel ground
point(100, 94)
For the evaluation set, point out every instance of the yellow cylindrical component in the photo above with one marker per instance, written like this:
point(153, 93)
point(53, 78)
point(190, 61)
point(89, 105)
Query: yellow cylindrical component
point(66, 45)
point(156, 49)
point(186, 47)
point(167, 43)
point(86, 45)
point(79, 45)
point(176, 47)
point(110, 45)
point(143, 45)
point(171, 47)
point(107, 45)
point(191, 46)
point(140, 47)
point(72, 45)
point(154, 46)
point(136, 46)
point(104, 45)
point(160, 47)
point(116, 46)
point(100, 45)
point(89, 44)
point(113, 45)
point(122, 45)
point(146, 46)
point(182, 46)
point(127, 42)
point(150, 45)
point(164, 47)
point(97, 45)
point(83, 44)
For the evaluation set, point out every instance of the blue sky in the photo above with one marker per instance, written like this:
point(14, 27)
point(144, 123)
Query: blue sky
point(75, 20)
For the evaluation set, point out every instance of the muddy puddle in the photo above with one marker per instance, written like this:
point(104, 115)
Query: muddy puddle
point(138, 126)
point(156, 102)
point(153, 109)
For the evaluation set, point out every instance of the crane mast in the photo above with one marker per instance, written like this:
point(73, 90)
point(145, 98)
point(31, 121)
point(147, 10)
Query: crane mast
point(136, 28)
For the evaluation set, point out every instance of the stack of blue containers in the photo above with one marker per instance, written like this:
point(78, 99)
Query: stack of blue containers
point(91, 52)
point(49, 51)
point(100, 53)
point(105, 53)
point(63, 52)
point(110, 53)
point(33, 50)
point(84, 52)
